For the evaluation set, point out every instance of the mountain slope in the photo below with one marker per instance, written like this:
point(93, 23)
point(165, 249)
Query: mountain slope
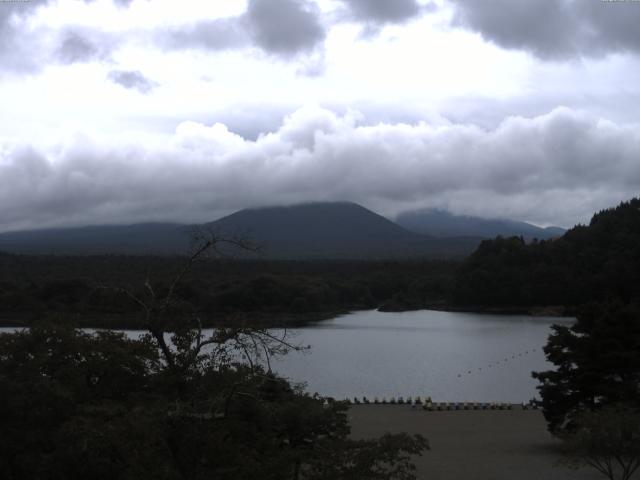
point(439, 223)
point(317, 230)
point(335, 230)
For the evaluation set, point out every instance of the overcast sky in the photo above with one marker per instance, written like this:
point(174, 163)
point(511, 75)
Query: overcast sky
point(118, 111)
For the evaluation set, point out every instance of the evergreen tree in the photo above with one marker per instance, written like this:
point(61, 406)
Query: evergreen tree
point(597, 364)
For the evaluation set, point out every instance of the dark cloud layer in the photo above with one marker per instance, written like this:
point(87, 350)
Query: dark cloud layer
point(554, 29)
point(132, 79)
point(556, 168)
point(283, 28)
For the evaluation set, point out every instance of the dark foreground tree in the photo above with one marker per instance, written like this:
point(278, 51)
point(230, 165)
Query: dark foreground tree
point(597, 364)
point(175, 404)
point(592, 399)
point(607, 440)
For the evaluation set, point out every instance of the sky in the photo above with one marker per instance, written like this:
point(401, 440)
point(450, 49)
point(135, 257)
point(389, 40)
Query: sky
point(122, 111)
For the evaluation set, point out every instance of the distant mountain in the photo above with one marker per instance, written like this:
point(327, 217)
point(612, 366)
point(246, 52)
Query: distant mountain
point(440, 223)
point(315, 230)
point(336, 230)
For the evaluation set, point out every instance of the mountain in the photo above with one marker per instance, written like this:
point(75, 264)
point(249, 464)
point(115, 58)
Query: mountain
point(439, 223)
point(316, 230)
point(336, 230)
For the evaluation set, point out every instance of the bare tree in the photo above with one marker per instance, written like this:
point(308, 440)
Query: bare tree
point(167, 314)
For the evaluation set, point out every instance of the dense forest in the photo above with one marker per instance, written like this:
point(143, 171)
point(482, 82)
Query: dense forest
point(590, 263)
point(272, 292)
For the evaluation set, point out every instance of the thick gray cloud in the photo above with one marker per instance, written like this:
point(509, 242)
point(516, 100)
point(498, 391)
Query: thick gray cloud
point(132, 79)
point(554, 29)
point(553, 169)
point(283, 27)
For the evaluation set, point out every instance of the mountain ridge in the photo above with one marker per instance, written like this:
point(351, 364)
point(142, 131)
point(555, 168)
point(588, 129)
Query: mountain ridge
point(441, 223)
point(313, 230)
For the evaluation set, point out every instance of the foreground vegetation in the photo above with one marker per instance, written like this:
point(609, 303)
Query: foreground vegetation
point(103, 406)
point(174, 404)
point(591, 400)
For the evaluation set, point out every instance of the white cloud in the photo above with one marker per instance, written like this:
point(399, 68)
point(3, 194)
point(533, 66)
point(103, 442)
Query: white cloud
point(454, 117)
point(552, 169)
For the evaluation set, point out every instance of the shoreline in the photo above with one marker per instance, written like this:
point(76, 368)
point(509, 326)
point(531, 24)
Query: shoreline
point(131, 321)
point(531, 310)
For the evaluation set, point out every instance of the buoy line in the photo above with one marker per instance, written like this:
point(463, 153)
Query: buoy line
point(499, 362)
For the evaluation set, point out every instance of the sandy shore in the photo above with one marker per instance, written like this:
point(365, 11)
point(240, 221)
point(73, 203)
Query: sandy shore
point(473, 445)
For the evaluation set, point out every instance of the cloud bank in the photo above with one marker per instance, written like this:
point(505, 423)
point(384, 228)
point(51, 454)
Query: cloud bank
point(552, 169)
point(554, 29)
point(284, 28)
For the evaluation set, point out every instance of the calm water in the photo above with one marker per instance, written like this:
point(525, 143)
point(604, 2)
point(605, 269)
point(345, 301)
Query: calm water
point(448, 356)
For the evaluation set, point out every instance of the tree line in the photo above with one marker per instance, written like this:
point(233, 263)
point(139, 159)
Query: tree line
point(272, 292)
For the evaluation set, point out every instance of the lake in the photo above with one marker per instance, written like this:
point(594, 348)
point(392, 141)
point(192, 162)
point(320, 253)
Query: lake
point(449, 356)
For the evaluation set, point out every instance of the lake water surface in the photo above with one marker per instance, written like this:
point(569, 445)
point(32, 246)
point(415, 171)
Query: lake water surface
point(448, 356)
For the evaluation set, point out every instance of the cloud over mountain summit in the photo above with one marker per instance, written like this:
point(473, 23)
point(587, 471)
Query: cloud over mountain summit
point(553, 164)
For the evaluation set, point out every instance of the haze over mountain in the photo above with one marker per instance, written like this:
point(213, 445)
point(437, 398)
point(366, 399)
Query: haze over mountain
point(138, 239)
point(440, 223)
point(314, 230)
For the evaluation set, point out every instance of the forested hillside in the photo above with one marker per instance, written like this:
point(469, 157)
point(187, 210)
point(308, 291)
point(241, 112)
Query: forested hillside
point(589, 263)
